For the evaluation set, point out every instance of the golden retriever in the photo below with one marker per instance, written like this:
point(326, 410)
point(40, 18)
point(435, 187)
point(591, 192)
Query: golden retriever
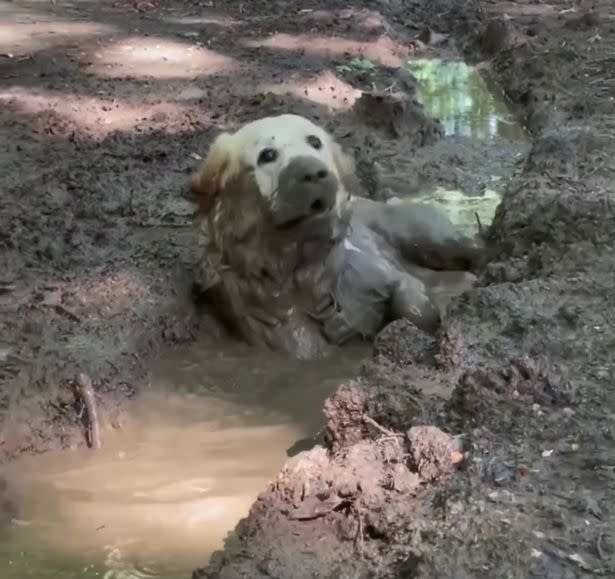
point(294, 261)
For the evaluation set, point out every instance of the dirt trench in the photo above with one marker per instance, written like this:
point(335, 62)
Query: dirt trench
point(97, 254)
point(527, 356)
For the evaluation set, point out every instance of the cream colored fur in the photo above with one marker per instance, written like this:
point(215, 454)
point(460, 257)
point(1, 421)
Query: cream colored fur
point(230, 153)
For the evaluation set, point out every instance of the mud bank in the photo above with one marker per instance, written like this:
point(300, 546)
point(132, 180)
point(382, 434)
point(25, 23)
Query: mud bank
point(525, 357)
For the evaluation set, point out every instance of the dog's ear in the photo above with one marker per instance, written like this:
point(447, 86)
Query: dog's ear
point(346, 169)
point(344, 164)
point(209, 180)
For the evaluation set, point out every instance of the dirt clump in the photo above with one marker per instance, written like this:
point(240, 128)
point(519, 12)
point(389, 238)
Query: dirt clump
point(403, 344)
point(398, 117)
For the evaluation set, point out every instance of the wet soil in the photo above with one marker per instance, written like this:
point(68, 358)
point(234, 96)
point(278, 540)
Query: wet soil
point(105, 108)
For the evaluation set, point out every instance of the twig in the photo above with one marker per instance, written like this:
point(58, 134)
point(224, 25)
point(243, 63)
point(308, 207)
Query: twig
point(599, 547)
point(6, 287)
point(479, 224)
point(310, 511)
point(359, 538)
point(60, 309)
point(83, 387)
point(382, 429)
point(161, 224)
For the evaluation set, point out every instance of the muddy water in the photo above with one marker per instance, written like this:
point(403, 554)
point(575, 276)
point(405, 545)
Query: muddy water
point(457, 94)
point(188, 460)
point(469, 111)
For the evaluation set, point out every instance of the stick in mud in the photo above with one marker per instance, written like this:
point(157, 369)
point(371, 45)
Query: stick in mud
point(84, 389)
point(479, 224)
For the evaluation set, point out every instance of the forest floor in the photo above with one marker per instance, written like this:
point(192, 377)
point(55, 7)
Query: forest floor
point(106, 108)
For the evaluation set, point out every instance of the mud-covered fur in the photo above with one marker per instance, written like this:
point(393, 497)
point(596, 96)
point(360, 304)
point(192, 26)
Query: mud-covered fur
point(290, 259)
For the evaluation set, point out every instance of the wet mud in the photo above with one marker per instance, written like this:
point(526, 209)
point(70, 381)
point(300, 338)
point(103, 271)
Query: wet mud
point(508, 471)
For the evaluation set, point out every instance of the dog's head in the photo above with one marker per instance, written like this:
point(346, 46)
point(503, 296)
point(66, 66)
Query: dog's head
point(296, 167)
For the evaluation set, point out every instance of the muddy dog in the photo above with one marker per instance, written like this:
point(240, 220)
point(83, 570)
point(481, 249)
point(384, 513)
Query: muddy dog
point(292, 260)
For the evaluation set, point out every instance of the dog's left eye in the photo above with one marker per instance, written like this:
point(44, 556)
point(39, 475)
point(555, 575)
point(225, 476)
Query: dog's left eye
point(267, 156)
point(314, 141)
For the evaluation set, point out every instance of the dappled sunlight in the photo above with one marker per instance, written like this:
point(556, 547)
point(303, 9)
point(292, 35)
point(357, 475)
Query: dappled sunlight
point(368, 20)
point(221, 21)
point(384, 50)
point(104, 296)
point(326, 90)
point(372, 21)
point(23, 34)
point(465, 211)
point(153, 57)
point(99, 116)
point(528, 8)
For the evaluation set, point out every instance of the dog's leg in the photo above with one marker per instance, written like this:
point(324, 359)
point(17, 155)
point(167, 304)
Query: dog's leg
point(410, 300)
point(422, 234)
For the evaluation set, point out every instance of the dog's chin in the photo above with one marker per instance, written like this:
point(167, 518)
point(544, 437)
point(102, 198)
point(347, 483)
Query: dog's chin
point(324, 227)
point(301, 222)
point(292, 224)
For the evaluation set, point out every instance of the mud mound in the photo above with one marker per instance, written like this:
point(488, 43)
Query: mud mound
point(355, 500)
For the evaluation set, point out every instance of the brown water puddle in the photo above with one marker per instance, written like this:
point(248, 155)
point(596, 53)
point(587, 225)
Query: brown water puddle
point(196, 448)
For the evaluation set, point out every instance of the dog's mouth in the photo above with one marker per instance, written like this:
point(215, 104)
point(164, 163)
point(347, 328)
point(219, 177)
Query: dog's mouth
point(314, 219)
point(292, 223)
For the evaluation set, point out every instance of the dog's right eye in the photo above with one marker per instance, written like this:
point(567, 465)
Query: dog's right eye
point(267, 156)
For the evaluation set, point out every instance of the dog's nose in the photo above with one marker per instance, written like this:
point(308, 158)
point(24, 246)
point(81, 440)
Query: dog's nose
point(308, 170)
point(315, 175)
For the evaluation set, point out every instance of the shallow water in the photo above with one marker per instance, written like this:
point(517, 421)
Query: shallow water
point(189, 459)
point(457, 94)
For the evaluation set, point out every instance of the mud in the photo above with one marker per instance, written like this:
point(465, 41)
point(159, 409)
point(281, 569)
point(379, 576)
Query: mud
point(104, 109)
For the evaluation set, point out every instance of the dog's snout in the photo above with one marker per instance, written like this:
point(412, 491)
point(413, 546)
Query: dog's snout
point(314, 176)
point(307, 187)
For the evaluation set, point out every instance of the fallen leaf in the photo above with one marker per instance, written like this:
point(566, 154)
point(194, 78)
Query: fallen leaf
point(576, 558)
point(431, 37)
point(456, 457)
point(313, 509)
point(145, 6)
point(362, 64)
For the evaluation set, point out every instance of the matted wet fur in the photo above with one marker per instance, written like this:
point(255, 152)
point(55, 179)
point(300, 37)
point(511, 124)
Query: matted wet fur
point(291, 259)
